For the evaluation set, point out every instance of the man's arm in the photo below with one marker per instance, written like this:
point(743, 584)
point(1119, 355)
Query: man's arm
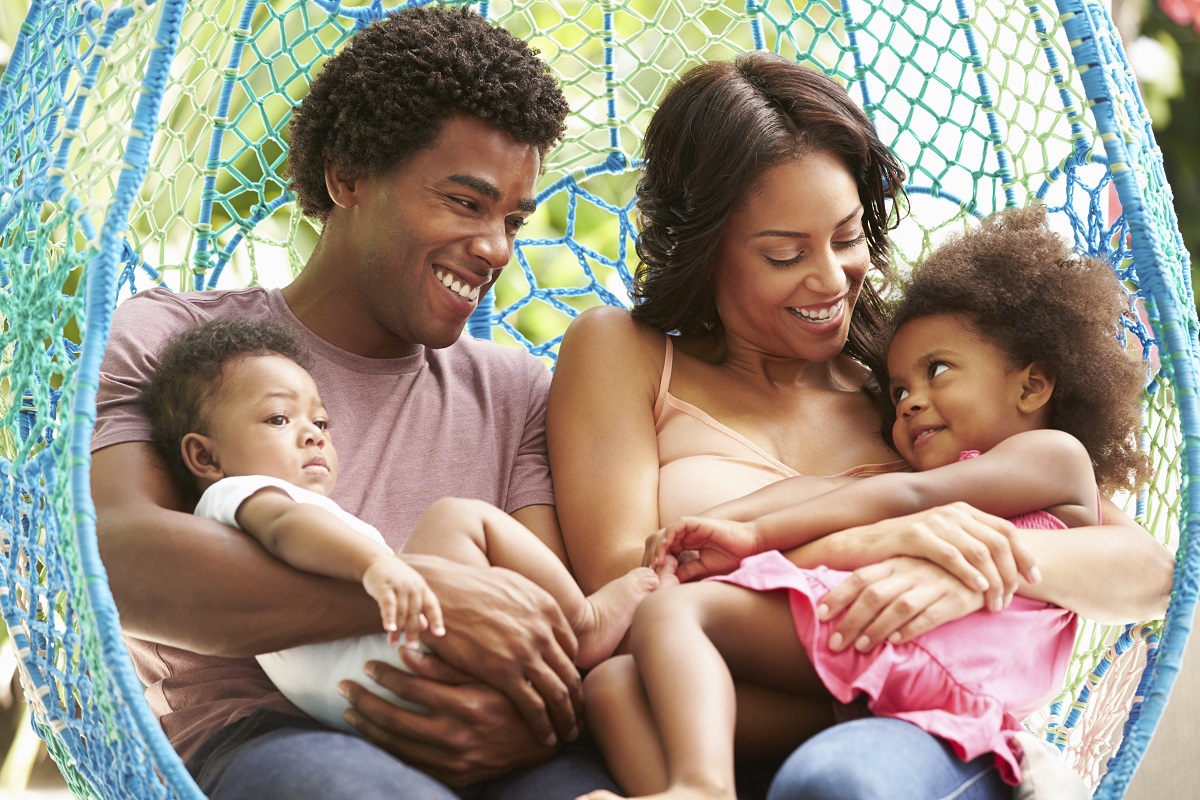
point(199, 585)
point(204, 587)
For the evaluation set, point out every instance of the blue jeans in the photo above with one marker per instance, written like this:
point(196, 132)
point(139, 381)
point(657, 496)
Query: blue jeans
point(275, 757)
point(879, 757)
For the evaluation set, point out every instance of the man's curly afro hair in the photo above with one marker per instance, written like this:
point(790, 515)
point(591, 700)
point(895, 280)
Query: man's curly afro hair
point(188, 378)
point(386, 95)
point(1027, 291)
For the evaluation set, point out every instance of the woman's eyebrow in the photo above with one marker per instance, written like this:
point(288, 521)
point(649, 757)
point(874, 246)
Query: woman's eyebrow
point(799, 235)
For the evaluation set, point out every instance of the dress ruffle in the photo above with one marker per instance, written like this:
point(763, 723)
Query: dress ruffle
point(938, 681)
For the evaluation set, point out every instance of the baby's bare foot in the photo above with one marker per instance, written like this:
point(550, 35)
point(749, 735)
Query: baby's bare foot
point(606, 614)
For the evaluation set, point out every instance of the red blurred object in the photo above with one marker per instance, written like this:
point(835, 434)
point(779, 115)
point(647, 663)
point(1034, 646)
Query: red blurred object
point(1184, 12)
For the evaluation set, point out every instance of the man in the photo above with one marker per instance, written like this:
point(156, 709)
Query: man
point(418, 147)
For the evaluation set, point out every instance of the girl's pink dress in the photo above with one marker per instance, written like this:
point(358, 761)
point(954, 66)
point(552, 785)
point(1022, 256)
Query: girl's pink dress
point(968, 682)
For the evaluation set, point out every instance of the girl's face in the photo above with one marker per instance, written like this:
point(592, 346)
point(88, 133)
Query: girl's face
point(792, 258)
point(954, 391)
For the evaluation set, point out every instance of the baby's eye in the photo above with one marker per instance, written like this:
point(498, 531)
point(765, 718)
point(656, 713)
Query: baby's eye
point(278, 420)
point(937, 368)
point(322, 424)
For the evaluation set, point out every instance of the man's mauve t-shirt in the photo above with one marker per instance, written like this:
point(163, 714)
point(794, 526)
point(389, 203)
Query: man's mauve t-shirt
point(467, 420)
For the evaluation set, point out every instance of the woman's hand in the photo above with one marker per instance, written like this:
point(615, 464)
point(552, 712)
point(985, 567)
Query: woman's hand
point(896, 600)
point(979, 549)
point(469, 732)
point(719, 545)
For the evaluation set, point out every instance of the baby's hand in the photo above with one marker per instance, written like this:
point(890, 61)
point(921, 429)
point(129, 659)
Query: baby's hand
point(406, 603)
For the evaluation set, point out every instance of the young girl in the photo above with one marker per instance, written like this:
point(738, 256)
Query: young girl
point(240, 424)
point(1010, 392)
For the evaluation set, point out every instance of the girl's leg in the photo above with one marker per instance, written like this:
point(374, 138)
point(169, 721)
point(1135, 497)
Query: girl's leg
point(769, 724)
point(681, 638)
point(618, 715)
point(478, 533)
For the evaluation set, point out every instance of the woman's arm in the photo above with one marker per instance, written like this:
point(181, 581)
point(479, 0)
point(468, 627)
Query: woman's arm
point(602, 443)
point(1029, 471)
point(1112, 573)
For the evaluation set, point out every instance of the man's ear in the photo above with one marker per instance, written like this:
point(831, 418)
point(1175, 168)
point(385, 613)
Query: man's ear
point(1037, 386)
point(200, 457)
point(341, 184)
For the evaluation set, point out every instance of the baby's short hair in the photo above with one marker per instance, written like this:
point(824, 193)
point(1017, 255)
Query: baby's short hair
point(188, 377)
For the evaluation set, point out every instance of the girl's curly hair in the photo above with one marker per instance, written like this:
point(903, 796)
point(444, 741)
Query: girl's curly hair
point(1030, 293)
point(188, 378)
point(717, 130)
point(387, 94)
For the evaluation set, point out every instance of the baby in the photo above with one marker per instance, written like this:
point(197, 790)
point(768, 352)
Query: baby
point(241, 427)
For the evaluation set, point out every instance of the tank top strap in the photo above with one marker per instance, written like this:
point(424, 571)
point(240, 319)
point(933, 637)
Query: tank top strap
point(664, 382)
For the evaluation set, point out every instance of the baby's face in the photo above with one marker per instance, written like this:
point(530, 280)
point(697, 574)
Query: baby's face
point(268, 419)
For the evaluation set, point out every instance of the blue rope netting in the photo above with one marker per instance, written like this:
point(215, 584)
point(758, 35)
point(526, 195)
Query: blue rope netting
point(142, 144)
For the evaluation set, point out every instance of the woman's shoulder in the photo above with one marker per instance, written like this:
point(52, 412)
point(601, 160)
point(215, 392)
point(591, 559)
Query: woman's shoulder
point(610, 334)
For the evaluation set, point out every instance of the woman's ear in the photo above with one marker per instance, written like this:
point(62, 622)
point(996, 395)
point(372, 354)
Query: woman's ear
point(201, 458)
point(1037, 386)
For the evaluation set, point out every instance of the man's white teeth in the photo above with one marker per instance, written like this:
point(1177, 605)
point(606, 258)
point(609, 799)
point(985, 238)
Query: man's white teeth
point(819, 316)
point(463, 290)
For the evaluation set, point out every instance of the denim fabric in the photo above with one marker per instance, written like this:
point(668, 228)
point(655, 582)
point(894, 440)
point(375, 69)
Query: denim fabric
point(274, 756)
point(872, 758)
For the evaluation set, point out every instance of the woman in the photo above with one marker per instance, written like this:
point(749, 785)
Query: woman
point(764, 210)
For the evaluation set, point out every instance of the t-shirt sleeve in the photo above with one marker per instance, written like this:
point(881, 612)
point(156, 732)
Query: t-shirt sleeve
point(530, 483)
point(141, 327)
point(221, 501)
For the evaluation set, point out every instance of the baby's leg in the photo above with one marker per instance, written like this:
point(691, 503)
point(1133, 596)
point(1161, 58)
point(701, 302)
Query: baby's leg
point(679, 638)
point(475, 532)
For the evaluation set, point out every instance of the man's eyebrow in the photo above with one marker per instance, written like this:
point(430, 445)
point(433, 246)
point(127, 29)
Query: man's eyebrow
point(490, 190)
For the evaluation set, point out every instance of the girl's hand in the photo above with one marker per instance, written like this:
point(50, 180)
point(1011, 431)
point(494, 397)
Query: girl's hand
point(719, 546)
point(406, 603)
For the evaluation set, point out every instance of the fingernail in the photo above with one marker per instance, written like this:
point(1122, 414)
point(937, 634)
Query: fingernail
point(574, 734)
point(996, 603)
point(344, 689)
point(551, 740)
point(1035, 575)
point(823, 614)
point(981, 583)
point(440, 630)
point(863, 644)
point(351, 718)
point(835, 641)
point(370, 669)
point(894, 638)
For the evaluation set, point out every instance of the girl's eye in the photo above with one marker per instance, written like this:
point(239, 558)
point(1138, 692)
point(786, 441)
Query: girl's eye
point(937, 368)
point(277, 420)
point(899, 394)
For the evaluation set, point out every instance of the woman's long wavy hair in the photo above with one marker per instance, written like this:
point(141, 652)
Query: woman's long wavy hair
point(715, 133)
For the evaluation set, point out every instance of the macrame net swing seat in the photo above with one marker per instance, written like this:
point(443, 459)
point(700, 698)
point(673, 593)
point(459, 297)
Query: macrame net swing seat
point(142, 143)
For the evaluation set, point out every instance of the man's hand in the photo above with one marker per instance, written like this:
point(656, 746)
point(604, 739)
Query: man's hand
point(470, 733)
point(897, 600)
point(508, 633)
